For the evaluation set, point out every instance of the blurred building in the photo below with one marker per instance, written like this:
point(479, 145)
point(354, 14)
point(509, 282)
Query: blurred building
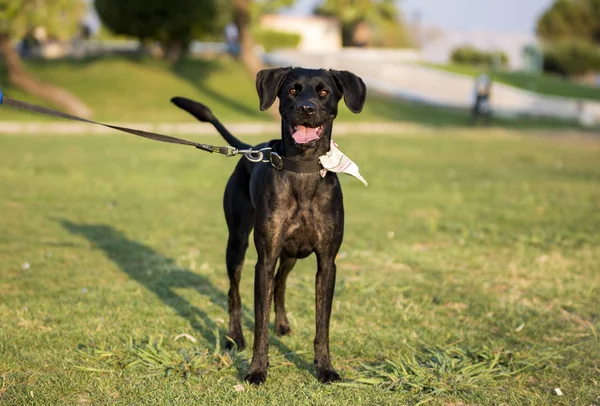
point(317, 33)
point(438, 49)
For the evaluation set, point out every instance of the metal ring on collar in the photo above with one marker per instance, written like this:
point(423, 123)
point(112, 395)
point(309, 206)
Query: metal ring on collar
point(254, 156)
point(276, 161)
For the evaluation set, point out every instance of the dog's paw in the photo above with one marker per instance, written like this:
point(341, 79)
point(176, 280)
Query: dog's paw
point(236, 342)
point(283, 329)
point(328, 376)
point(256, 378)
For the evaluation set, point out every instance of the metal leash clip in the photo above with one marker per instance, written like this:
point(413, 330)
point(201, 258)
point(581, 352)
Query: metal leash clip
point(228, 151)
point(256, 156)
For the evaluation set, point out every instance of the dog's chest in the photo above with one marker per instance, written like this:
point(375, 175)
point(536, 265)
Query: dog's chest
point(301, 232)
point(308, 226)
point(304, 213)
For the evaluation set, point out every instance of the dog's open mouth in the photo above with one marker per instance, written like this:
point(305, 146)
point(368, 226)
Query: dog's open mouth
point(303, 134)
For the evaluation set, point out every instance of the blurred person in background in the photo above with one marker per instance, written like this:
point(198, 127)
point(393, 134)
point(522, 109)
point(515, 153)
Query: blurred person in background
point(482, 91)
point(27, 43)
point(232, 37)
point(78, 47)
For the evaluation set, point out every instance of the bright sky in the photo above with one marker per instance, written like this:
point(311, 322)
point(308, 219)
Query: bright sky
point(494, 15)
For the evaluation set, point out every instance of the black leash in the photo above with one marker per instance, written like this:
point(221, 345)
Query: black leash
point(262, 155)
point(227, 151)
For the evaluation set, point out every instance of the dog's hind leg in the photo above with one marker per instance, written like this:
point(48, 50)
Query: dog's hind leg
point(236, 251)
point(239, 214)
point(282, 326)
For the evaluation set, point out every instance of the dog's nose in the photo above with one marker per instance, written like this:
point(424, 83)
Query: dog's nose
point(306, 107)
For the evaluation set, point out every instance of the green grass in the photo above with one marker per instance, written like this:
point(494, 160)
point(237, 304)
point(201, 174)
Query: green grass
point(468, 275)
point(126, 90)
point(540, 83)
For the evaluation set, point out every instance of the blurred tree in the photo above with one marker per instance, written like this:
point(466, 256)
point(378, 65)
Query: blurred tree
point(174, 23)
point(594, 9)
point(571, 29)
point(242, 19)
point(572, 58)
point(61, 19)
point(382, 15)
point(570, 19)
point(243, 14)
point(468, 55)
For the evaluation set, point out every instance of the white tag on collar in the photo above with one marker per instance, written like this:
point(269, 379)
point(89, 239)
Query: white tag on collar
point(336, 161)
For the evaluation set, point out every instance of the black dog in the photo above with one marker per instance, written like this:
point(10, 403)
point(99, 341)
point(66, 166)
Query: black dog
point(294, 210)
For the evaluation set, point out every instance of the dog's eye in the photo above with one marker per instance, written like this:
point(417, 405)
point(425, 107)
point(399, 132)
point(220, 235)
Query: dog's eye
point(293, 91)
point(323, 93)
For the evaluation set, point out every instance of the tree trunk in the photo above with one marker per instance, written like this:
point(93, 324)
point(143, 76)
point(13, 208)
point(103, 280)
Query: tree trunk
point(347, 34)
point(18, 76)
point(173, 50)
point(241, 18)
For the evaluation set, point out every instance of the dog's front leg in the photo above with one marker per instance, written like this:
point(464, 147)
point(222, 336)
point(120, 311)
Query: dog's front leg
point(263, 296)
point(325, 287)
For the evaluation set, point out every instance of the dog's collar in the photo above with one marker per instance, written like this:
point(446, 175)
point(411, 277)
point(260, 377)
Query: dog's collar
point(334, 160)
point(294, 165)
point(282, 163)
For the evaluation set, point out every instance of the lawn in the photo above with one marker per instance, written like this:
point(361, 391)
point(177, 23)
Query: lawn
point(468, 275)
point(133, 91)
point(552, 85)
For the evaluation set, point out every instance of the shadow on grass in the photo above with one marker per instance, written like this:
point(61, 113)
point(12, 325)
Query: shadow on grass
point(195, 72)
point(161, 275)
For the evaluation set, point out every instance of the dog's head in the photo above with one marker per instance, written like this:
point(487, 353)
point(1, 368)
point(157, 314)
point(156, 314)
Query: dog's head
point(308, 100)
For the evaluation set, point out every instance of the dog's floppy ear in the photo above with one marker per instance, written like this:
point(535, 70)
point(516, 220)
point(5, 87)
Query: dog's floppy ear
point(268, 83)
point(352, 88)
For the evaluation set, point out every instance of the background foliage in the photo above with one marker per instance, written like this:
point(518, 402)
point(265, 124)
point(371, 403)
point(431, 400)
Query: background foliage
point(383, 16)
point(174, 23)
point(60, 17)
point(468, 55)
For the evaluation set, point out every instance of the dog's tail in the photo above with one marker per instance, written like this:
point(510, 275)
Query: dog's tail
point(203, 113)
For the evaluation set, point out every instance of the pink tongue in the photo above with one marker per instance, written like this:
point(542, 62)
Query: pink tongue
point(305, 134)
